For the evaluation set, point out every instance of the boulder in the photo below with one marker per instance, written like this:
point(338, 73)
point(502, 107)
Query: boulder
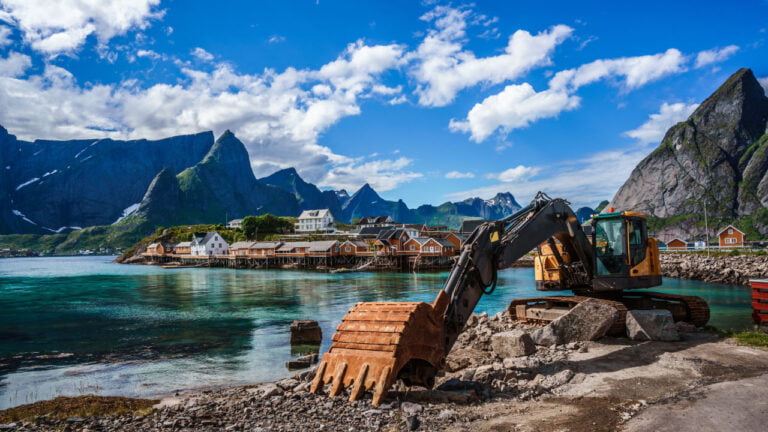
point(306, 332)
point(651, 325)
point(589, 320)
point(515, 343)
point(301, 362)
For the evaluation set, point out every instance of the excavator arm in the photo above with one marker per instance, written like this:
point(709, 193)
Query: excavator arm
point(498, 244)
point(378, 343)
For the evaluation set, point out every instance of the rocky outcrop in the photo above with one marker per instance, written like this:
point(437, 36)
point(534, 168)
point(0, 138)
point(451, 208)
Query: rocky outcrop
point(732, 270)
point(718, 157)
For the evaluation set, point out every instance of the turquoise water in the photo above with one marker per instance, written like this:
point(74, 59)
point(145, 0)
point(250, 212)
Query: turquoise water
point(79, 325)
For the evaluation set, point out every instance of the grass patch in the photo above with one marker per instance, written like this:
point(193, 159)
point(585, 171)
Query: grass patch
point(752, 338)
point(64, 407)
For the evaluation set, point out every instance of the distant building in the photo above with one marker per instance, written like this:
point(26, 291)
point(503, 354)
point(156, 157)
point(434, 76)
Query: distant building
point(241, 248)
point(456, 239)
point(184, 248)
point(677, 244)
point(731, 236)
point(208, 244)
point(235, 223)
point(355, 247)
point(315, 220)
point(373, 221)
point(700, 244)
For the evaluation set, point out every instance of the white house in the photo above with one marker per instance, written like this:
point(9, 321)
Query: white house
point(315, 220)
point(235, 223)
point(207, 244)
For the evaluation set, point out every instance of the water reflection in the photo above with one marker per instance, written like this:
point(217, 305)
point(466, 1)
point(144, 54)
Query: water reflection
point(76, 325)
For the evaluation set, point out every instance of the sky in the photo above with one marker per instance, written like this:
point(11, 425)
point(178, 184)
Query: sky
point(427, 101)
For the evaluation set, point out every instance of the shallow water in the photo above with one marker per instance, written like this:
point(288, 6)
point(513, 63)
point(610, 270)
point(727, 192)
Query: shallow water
point(78, 325)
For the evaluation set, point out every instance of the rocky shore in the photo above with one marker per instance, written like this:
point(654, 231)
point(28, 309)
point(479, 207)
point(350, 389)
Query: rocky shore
point(577, 386)
point(733, 270)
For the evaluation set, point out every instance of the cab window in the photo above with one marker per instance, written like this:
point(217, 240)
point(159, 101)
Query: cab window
point(609, 245)
point(637, 240)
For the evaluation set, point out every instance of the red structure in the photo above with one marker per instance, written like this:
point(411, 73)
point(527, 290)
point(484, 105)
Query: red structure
point(759, 301)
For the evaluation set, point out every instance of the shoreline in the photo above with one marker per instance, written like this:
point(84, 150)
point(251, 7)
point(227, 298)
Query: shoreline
point(555, 388)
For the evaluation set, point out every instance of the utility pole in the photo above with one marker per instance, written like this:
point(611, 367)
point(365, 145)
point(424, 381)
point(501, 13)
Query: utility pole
point(706, 226)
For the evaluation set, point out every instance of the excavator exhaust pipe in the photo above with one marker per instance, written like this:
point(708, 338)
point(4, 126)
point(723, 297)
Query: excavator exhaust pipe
point(378, 343)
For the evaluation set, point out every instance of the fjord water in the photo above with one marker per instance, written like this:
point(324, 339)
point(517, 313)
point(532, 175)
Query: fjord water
point(80, 325)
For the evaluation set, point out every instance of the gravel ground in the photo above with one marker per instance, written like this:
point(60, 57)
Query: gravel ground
point(582, 386)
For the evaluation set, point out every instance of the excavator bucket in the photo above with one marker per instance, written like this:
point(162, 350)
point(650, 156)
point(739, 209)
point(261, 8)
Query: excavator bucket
point(377, 343)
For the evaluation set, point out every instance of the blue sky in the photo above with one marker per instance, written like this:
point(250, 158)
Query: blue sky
point(427, 101)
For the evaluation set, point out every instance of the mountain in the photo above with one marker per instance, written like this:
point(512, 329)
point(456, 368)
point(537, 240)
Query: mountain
point(717, 158)
point(307, 195)
point(584, 214)
point(219, 188)
point(366, 202)
point(52, 186)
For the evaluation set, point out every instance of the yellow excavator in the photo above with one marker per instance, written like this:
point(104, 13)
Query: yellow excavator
point(379, 343)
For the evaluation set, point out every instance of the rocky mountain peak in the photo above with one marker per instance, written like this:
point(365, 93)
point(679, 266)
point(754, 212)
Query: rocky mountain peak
point(717, 158)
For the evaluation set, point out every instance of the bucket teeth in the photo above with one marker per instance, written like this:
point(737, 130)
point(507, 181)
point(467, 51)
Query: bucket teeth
point(373, 343)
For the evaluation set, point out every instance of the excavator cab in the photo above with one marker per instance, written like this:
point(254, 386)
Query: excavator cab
point(625, 257)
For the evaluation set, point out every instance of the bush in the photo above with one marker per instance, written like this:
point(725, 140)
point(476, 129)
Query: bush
point(734, 252)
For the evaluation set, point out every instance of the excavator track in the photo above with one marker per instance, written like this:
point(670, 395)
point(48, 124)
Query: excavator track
point(541, 310)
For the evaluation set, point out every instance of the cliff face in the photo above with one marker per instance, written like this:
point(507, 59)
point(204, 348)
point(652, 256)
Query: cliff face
point(719, 156)
point(51, 185)
point(219, 188)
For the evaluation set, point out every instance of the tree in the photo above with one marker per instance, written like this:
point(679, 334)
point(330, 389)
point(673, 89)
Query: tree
point(250, 227)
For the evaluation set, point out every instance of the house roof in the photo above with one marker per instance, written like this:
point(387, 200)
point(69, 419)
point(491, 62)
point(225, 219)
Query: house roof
point(458, 236)
point(241, 245)
point(729, 226)
point(289, 246)
point(235, 221)
point(444, 242)
point(375, 220)
point(153, 245)
point(321, 246)
point(372, 231)
point(391, 233)
point(184, 244)
point(357, 243)
point(266, 245)
point(315, 214)
point(678, 239)
point(203, 238)
point(423, 240)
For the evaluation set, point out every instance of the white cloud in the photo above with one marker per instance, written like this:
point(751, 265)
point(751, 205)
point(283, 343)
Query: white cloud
point(459, 175)
point(636, 71)
point(714, 55)
point(382, 175)
point(276, 39)
point(653, 130)
point(517, 106)
point(764, 83)
point(55, 27)
point(582, 181)
point(516, 174)
point(202, 54)
point(441, 66)
point(5, 36)
point(149, 54)
point(280, 116)
point(14, 65)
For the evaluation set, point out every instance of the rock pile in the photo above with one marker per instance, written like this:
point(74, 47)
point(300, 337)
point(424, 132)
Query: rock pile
point(733, 270)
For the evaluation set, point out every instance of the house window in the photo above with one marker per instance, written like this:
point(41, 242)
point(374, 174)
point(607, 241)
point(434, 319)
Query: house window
point(730, 240)
point(730, 230)
point(412, 247)
point(347, 249)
